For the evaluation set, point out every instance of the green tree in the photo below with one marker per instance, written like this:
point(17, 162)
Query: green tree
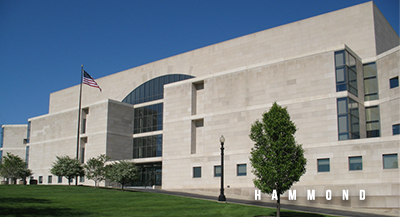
point(122, 172)
point(13, 167)
point(277, 160)
point(67, 167)
point(95, 169)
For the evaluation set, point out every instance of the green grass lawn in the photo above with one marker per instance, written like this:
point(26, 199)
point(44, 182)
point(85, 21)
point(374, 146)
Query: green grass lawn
point(52, 200)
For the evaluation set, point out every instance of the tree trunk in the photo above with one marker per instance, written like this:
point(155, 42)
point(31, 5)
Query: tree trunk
point(278, 206)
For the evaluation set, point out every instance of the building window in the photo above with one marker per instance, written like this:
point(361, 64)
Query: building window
point(217, 171)
point(149, 174)
point(241, 170)
point(2, 137)
point(390, 161)
point(370, 82)
point(27, 155)
point(323, 165)
point(149, 146)
point(148, 118)
point(355, 163)
point(85, 113)
point(196, 172)
point(81, 178)
point(50, 179)
point(153, 89)
point(372, 120)
point(59, 179)
point(348, 119)
point(40, 179)
point(394, 82)
point(396, 129)
point(28, 132)
point(346, 72)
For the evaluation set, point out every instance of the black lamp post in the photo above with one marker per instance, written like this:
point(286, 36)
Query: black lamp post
point(222, 196)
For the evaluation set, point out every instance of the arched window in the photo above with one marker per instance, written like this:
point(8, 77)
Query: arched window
point(153, 89)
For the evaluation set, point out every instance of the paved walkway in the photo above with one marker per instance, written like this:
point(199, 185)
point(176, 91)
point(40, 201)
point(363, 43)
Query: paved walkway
point(266, 204)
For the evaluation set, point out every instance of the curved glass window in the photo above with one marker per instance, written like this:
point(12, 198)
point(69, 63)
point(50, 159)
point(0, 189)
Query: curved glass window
point(153, 89)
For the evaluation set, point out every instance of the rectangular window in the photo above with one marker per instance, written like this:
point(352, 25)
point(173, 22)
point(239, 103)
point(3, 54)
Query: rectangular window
point(217, 171)
point(81, 178)
point(348, 119)
point(323, 165)
point(390, 161)
point(28, 133)
point(59, 179)
point(82, 155)
point(148, 146)
point(394, 82)
point(40, 179)
point(85, 112)
point(241, 170)
point(148, 118)
point(355, 163)
point(50, 179)
point(372, 117)
point(196, 172)
point(370, 82)
point(346, 72)
point(27, 155)
point(2, 137)
point(396, 129)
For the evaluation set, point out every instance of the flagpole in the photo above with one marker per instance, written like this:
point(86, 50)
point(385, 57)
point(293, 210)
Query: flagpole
point(79, 121)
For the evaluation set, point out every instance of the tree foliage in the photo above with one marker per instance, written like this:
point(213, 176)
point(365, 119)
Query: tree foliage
point(277, 160)
point(67, 167)
point(13, 167)
point(95, 169)
point(122, 172)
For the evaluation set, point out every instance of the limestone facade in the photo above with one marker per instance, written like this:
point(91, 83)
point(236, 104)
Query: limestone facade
point(233, 83)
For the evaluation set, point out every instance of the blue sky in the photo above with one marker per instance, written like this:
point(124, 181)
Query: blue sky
point(43, 43)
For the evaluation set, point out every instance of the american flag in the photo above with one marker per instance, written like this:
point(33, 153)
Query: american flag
point(87, 79)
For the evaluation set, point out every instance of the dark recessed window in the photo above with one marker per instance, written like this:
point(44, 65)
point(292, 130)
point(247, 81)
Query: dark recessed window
point(59, 179)
point(40, 179)
point(217, 171)
point(396, 129)
point(241, 170)
point(323, 165)
point(355, 163)
point(390, 161)
point(196, 172)
point(394, 82)
point(148, 118)
point(370, 82)
point(372, 118)
point(348, 119)
point(346, 72)
point(50, 179)
point(148, 146)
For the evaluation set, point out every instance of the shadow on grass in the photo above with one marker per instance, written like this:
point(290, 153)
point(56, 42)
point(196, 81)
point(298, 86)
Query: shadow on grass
point(34, 207)
point(293, 214)
point(32, 211)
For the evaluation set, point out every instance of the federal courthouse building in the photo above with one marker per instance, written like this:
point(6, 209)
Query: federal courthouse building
point(337, 74)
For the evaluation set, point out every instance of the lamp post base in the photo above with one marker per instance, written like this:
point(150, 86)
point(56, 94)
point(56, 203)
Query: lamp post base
point(221, 197)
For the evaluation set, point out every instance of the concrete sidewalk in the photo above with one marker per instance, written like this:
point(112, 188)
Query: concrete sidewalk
point(319, 210)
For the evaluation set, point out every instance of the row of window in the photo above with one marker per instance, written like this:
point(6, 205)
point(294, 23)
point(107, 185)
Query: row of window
point(390, 161)
point(153, 89)
point(241, 170)
point(149, 146)
point(148, 118)
point(59, 179)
